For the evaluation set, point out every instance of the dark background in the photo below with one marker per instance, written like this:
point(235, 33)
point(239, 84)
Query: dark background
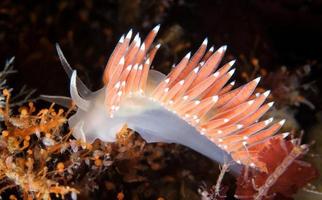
point(274, 33)
point(284, 32)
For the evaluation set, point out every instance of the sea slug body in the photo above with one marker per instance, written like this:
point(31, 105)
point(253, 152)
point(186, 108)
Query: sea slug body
point(194, 105)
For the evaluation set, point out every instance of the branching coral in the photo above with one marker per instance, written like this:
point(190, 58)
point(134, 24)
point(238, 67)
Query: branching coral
point(23, 159)
point(217, 191)
point(21, 97)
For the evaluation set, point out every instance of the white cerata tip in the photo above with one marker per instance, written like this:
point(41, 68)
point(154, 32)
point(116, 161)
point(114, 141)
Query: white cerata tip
point(129, 34)
point(257, 80)
point(222, 49)
point(205, 42)
point(267, 93)
point(156, 28)
point(282, 122)
point(231, 63)
point(270, 104)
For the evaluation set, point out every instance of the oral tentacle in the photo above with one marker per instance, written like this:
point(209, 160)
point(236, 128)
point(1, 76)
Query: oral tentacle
point(80, 102)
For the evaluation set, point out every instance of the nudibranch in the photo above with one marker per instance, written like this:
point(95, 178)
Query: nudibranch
point(194, 105)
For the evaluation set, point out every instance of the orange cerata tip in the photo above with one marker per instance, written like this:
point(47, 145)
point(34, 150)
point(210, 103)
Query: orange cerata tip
point(194, 105)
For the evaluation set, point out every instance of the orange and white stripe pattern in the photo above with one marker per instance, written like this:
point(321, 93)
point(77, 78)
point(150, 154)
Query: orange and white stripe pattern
point(197, 90)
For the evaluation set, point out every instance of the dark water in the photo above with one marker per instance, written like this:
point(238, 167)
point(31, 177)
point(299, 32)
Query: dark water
point(277, 33)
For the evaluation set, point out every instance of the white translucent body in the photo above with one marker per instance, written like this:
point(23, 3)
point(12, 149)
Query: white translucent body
point(147, 117)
